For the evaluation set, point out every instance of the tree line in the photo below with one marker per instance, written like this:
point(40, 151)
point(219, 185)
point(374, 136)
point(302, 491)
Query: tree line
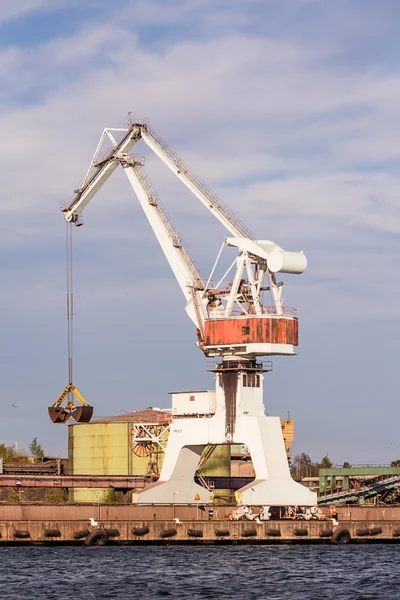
point(10, 453)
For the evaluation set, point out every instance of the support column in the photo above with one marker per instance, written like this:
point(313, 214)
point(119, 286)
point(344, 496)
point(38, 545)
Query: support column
point(239, 419)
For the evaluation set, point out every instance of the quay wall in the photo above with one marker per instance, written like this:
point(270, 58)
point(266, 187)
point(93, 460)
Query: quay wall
point(128, 512)
point(211, 532)
point(128, 524)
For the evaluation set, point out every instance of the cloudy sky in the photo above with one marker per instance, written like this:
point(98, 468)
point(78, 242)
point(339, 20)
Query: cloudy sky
point(289, 110)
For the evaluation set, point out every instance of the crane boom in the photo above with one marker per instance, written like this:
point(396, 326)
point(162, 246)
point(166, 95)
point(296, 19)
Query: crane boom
point(182, 266)
point(194, 183)
point(108, 164)
point(201, 303)
point(103, 169)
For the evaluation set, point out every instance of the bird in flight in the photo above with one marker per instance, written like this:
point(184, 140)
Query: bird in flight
point(14, 405)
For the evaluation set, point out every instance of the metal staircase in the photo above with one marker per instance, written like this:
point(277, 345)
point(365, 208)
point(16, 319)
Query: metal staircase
point(368, 489)
point(204, 481)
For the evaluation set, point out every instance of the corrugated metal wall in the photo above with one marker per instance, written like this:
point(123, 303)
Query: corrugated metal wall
point(274, 330)
point(98, 449)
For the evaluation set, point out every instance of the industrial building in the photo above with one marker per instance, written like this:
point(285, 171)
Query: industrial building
point(134, 444)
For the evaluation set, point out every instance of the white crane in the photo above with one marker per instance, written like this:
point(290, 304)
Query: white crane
point(214, 311)
point(232, 319)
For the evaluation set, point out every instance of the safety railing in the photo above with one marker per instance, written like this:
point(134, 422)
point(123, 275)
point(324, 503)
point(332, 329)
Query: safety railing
point(266, 311)
point(214, 365)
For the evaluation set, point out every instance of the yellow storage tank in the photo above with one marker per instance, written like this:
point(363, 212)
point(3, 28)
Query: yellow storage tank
point(107, 447)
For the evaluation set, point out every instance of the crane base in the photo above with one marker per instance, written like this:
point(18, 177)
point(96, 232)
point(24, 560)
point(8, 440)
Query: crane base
point(273, 485)
point(178, 488)
point(239, 419)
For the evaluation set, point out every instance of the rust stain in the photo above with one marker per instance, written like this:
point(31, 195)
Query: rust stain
point(254, 330)
point(229, 381)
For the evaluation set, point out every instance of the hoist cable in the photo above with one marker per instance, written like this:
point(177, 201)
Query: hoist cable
point(70, 300)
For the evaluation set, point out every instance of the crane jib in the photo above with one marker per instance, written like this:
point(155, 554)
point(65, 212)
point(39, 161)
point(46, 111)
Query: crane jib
point(233, 317)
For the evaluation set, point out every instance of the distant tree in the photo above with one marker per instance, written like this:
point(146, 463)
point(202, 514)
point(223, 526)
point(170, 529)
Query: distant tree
point(325, 463)
point(10, 454)
point(302, 466)
point(395, 463)
point(346, 465)
point(36, 450)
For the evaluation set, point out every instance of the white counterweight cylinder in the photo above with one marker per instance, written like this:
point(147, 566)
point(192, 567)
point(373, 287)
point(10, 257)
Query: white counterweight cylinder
point(280, 261)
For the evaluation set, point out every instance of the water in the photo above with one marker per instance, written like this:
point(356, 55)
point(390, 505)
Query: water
point(362, 572)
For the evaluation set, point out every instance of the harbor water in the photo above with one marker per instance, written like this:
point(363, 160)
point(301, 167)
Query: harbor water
point(309, 572)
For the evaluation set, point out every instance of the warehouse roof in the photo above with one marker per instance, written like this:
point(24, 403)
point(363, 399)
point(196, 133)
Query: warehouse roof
point(149, 415)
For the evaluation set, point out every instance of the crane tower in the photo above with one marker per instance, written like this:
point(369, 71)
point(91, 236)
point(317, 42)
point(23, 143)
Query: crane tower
point(233, 321)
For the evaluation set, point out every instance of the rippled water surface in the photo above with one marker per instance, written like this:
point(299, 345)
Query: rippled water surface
point(250, 572)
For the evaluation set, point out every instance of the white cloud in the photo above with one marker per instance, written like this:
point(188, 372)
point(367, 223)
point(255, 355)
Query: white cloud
point(300, 147)
point(12, 10)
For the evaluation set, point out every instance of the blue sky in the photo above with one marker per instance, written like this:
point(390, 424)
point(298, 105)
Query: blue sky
point(289, 110)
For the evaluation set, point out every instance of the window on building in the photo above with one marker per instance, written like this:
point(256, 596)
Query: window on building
point(246, 330)
point(251, 380)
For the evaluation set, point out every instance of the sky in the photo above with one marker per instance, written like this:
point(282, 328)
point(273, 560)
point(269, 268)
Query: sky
point(289, 111)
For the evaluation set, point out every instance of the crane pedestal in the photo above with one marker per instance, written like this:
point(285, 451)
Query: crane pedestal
point(239, 419)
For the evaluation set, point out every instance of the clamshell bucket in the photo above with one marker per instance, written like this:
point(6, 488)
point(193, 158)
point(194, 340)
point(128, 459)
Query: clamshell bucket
point(65, 407)
point(82, 414)
point(58, 414)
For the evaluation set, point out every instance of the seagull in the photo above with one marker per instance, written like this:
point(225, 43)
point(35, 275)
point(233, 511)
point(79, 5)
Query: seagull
point(176, 520)
point(14, 405)
point(93, 522)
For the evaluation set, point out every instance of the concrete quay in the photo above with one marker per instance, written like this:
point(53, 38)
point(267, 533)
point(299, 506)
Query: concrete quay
point(48, 524)
point(195, 532)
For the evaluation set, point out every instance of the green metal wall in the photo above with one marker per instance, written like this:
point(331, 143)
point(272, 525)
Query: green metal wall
point(219, 463)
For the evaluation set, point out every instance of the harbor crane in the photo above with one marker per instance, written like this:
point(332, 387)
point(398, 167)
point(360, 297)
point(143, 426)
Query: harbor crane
point(241, 318)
